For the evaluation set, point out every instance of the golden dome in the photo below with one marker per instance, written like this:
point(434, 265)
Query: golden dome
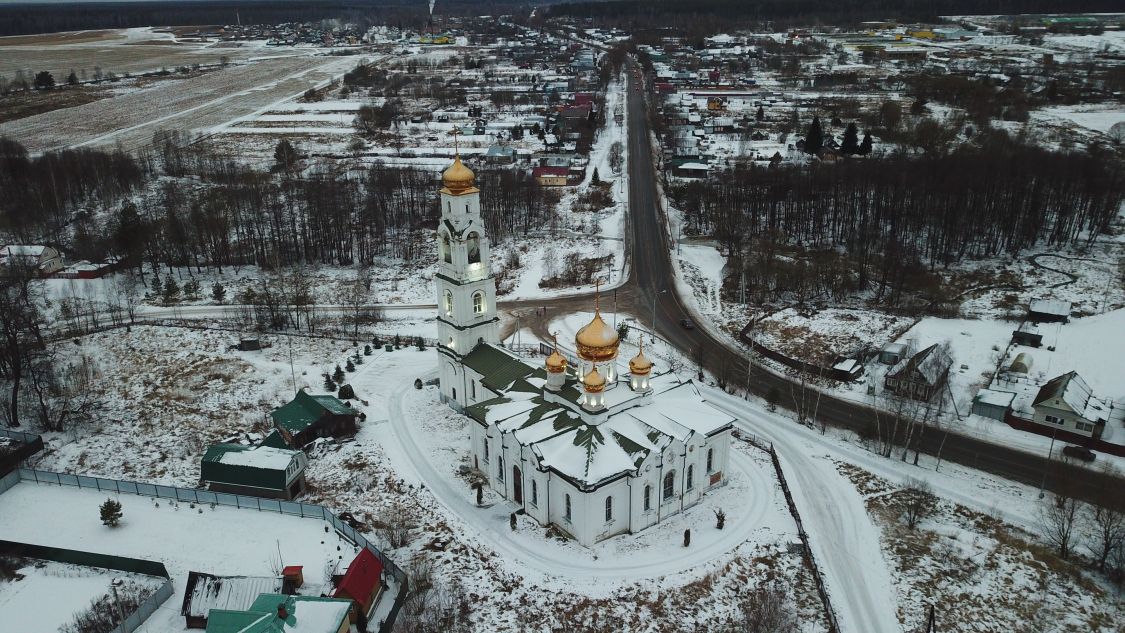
point(596, 341)
point(458, 178)
point(640, 365)
point(556, 364)
point(594, 381)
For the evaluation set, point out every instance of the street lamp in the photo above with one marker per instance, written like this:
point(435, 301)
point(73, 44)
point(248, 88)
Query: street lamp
point(654, 295)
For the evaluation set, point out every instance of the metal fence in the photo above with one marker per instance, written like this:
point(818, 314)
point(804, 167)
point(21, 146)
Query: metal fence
point(29, 445)
point(191, 495)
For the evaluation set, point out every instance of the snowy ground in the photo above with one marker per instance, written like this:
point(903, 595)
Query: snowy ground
point(45, 595)
point(218, 540)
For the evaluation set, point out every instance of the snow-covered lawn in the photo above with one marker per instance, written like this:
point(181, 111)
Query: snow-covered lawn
point(220, 540)
point(45, 595)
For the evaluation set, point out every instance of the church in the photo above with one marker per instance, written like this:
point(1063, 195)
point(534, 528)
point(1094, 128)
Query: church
point(591, 445)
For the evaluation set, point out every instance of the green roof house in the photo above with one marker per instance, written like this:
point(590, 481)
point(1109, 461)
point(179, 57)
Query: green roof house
point(278, 613)
point(308, 417)
point(261, 471)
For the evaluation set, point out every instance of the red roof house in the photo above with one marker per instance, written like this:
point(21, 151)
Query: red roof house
point(361, 583)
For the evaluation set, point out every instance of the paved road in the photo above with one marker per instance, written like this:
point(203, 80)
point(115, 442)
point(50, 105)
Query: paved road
point(652, 274)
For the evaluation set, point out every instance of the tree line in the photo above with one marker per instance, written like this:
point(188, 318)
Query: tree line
point(875, 223)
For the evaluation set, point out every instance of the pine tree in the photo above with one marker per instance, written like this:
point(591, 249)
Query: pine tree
point(111, 513)
point(761, 116)
point(72, 78)
point(596, 180)
point(366, 350)
point(285, 155)
point(851, 140)
point(157, 288)
point(338, 375)
point(329, 384)
point(814, 139)
point(191, 289)
point(218, 292)
point(865, 146)
point(350, 366)
point(421, 343)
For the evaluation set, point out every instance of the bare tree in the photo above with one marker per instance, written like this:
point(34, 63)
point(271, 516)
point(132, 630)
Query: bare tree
point(919, 501)
point(767, 609)
point(21, 337)
point(1060, 516)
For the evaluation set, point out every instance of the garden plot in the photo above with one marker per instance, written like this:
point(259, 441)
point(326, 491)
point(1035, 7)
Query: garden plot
point(45, 595)
point(963, 561)
point(814, 335)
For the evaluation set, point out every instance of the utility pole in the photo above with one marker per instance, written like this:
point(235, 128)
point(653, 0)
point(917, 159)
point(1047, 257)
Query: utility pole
point(114, 584)
point(292, 371)
point(1047, 466)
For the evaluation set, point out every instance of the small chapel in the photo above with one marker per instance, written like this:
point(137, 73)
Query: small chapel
point(589, 444)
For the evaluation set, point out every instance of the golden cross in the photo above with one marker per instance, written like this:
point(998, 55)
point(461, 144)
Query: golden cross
point(555, 340)
point(597, 295)
point(455, 133)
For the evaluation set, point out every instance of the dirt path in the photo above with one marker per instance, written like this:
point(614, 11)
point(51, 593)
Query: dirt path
point(1034, 261)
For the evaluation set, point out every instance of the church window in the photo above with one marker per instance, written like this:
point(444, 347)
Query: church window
point(567, 504)
point(710, 460)
point(648, 498)
point(608, 509)
point(473, 389)
point(446, 249)
point(478, 302)
point(486, 450)
point(690, 477)
point(534, 493)
point(455, 388)
point(448, 303)
point(473, 243)
point(669, 485)
point(500, 468)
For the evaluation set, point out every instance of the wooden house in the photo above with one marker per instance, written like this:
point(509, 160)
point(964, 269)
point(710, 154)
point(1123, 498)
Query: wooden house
point(921, 376)
point(308, 417)
point(362, 583)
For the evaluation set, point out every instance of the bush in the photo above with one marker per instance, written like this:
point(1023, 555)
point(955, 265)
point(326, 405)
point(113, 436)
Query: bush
point(346, 392)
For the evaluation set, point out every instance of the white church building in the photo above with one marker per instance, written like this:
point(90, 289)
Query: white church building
point(595, 447)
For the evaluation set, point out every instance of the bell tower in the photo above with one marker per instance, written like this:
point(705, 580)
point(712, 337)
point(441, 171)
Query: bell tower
point(466, 290)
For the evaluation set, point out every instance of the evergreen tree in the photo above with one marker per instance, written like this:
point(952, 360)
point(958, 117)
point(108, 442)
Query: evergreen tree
point(346, 393)
point(851, 140)
point(285, 155)
point(72, 78)
point(157, 287)
point(111, 513)
point(171, 291)
point(865, 146)
point(191, 289)
point(44, 80)
point(421, 342)
point(366, 350)
point(761, 116)
point(350, 366)
point(338, 375)
point(794, 122)
point(814, 138)
point(596, 180)
point(329, 384)
point(218, 292)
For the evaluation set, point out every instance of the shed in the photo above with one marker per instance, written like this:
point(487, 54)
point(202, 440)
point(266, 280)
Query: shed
point(361, 583)
point(993, 404)
point(277, 613)
point(206, 591)
point(1049, 311)
point(261, 471)
point(1028, 334)
point(307, 417)
point(892, 353)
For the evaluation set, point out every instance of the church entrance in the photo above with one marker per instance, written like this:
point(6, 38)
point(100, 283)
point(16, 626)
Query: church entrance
point(517, 485)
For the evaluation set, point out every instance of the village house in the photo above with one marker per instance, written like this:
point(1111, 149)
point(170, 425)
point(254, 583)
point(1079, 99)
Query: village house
point(1067, 403)
point(361, 584)
point(921, 376)
point(551, 176)
point(1048, 311)
point(278, 613)
point(44, 260)
point(308, 417)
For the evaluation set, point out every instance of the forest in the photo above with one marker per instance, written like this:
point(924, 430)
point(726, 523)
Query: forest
point(187, 206)
point(879, 224)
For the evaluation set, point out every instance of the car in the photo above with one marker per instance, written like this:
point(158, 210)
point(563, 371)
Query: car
point(687, 324)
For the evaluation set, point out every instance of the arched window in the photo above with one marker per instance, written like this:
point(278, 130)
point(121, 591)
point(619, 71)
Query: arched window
point(710, 460)
point(473, 244)
point(486, 450)
point(448, 303)
point(690, 477)
point(567, 515)
point(478, 302)
point(500, 468)
point(669, 485)
point(648, 498)
point(446, 249)
point(534, 493)
point(473, 389)
point(608, 509)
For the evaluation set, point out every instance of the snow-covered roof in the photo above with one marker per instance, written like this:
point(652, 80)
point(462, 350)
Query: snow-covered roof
point(995, 398)
point(265, 457)
point(930, 363)
point(1077, 395)
point(1050, 306)
point(22, 250)
point(233, 592)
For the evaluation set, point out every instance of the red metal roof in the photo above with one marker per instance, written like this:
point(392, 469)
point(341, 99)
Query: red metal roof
point(550, 171)
point(361, 579)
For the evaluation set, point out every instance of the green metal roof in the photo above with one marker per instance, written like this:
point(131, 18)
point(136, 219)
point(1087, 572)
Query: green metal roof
point(261, 617)
point(305, 409)
point(487, 359)
point(267, 470)
point(275, 440)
